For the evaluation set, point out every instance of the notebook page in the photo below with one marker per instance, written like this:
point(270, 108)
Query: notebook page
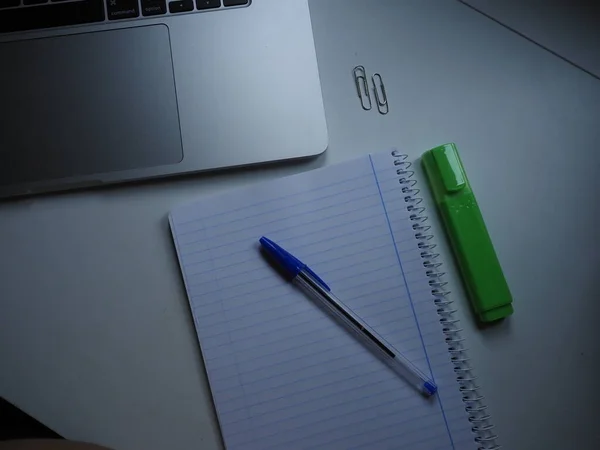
point(283, 373)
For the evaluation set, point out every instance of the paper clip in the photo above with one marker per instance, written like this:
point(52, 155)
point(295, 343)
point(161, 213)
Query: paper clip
point(360, 77)
point(382, 101)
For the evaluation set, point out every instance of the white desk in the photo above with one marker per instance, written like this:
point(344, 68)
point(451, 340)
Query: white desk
point(96, 339)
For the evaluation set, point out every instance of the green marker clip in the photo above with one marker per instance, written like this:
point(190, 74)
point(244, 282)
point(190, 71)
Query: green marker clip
point(481, 272)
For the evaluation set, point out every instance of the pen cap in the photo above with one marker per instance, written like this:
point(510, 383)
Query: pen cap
point(465, 228)
point(290, 265)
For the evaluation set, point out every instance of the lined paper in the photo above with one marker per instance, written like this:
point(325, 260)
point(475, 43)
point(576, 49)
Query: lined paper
point(283, 373)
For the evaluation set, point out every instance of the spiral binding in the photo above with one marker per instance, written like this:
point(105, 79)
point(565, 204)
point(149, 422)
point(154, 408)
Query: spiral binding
point(471, 395)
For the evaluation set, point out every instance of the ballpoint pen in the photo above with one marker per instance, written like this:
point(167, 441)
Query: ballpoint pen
point(302, 276)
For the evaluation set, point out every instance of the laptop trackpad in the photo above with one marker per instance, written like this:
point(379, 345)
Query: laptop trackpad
point(87, 104)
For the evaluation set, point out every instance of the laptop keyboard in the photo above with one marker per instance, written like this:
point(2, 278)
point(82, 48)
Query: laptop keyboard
point(23, 15)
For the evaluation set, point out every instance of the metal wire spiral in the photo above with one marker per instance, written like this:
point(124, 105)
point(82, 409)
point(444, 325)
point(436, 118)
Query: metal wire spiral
point(471, 395)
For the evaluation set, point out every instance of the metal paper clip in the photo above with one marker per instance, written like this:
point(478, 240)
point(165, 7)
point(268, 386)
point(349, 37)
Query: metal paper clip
point(360, 77)
point(380, 94)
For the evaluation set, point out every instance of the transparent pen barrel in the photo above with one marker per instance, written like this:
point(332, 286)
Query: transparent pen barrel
point(365, 334)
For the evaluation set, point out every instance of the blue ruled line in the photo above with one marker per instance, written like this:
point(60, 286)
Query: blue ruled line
point(409, 295)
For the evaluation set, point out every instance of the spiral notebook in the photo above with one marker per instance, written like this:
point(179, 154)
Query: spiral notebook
point(285, 375)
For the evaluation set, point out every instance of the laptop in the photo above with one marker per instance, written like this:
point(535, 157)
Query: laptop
point(105, 91)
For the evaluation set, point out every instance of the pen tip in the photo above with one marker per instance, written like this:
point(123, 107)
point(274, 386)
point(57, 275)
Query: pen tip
point(429, 388)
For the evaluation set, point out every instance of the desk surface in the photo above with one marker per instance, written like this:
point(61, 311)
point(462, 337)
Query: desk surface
point(96, 339)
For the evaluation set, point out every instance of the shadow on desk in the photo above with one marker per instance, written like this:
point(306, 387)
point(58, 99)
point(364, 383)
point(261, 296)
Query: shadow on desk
point(15, 424)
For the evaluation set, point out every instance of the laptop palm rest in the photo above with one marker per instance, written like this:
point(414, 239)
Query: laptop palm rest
point(87, 104)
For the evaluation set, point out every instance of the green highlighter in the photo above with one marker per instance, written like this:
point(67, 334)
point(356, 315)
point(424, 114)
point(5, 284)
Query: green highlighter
point(471, 243)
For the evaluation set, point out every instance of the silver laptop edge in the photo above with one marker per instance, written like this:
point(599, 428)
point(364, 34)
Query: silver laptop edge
point(213, 89)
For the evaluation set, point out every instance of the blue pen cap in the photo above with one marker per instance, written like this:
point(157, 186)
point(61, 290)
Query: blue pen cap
point(288, 262)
